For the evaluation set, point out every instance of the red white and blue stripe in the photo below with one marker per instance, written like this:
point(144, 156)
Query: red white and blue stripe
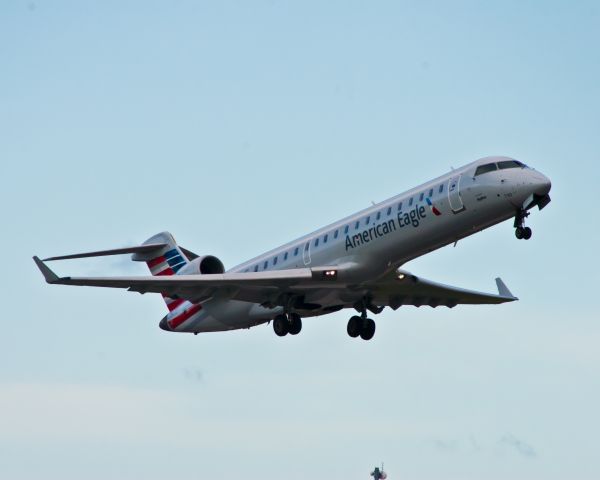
point(187, 311)
point(167, 264)
point(180, 310)
point(434, 210)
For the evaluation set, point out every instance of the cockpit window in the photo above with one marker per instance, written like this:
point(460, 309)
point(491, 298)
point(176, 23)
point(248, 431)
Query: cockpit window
point(481, 169)
point(510, 164)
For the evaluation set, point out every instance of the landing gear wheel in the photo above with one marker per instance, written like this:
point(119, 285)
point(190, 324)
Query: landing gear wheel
point(354, 326)
point(519, 233)
point(295, 324)
point(368, 329)
point(522, 232)
point(281, 325)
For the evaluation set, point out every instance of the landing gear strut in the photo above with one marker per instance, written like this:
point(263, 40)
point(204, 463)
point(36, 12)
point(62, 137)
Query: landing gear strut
point(522, 232)
point(284, 324)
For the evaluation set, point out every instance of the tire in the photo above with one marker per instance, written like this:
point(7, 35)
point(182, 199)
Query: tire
point(527, 233)
point(281, 325)
point(368, 329)
point(295, 324)
point(354, 326)
point(519, 232)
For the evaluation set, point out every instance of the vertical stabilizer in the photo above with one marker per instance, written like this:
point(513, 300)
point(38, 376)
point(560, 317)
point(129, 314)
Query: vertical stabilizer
point(166, 261)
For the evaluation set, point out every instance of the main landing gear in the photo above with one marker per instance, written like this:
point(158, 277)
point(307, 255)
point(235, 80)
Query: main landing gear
point(521, 232)
point(284, 324)
point(363, 326)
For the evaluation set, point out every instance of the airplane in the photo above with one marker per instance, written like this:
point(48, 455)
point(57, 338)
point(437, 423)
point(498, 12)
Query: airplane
point(378, 473)
point(355, 263)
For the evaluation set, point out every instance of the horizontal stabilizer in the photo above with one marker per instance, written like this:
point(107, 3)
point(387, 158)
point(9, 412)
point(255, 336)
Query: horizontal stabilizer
point(115, 251)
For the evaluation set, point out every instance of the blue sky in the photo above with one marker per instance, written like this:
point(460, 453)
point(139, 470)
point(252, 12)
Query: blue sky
point(239, 126)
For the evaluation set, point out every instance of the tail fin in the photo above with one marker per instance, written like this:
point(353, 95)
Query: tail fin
point(166, 261)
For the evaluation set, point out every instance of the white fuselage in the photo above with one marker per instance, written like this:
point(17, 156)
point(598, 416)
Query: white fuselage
point(387, 235)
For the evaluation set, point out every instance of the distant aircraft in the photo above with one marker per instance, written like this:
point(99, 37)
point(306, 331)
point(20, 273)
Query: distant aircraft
point(352, 263)
point(379, 474)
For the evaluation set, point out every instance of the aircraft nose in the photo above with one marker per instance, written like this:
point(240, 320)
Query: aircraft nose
point(164, 325)
point(541, 184)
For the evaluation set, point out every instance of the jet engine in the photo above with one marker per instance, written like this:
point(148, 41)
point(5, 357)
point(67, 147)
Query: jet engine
point(205, 265)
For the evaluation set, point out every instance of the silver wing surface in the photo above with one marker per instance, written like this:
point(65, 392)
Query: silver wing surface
point(404, 288)
point(319, 289)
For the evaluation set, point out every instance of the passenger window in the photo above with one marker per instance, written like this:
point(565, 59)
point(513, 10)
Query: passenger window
point(357, 224)
point(266, 264)
point(285, 255)
point(296, 251)
point(335, 234)
point(389, 211)
point(346, 228)
point(481, 169)
point(317, 242)
point(441, 189)
point(431, 193)
point(256, 268)
point(410, 202)
point(325, 238)
point(378, 215)
point(421, 196)
point(509, 164)
point(275, 261)
point(400, 206)
point(368, 219)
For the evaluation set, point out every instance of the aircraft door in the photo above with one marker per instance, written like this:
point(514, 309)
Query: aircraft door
point(306, 253)
point(454, 198)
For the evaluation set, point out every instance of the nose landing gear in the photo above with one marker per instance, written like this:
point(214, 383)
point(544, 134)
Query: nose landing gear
point(522, 232)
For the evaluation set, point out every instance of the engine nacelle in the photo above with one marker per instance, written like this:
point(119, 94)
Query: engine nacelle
point(205, 265)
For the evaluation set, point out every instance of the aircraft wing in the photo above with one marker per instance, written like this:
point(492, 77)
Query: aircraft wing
point(256, 287)
point(314, 288)
point(404, 288)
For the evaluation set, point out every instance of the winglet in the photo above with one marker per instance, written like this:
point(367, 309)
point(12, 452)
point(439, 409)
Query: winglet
point(503, 290)
point(49, 275)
